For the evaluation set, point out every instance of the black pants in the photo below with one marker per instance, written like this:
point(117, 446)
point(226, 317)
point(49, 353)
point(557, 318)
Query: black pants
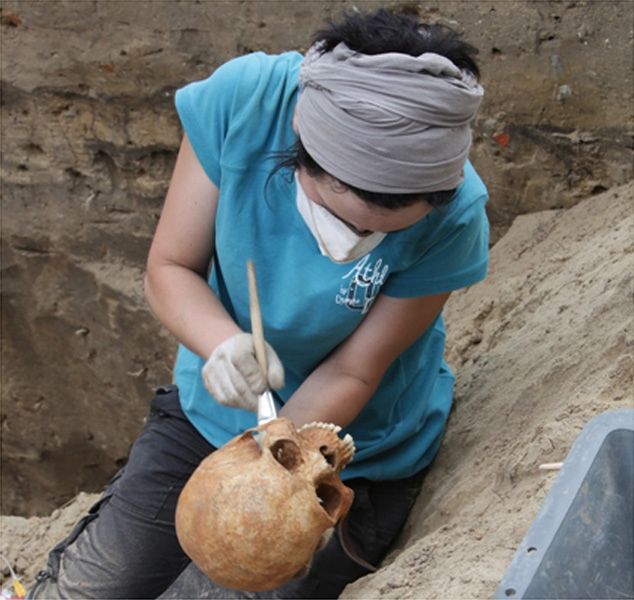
point(126, 546)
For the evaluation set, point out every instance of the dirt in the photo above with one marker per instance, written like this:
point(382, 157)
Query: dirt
point(541, 347)
point(25, 542)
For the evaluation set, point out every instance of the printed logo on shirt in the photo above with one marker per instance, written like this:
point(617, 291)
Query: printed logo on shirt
point(362, 284)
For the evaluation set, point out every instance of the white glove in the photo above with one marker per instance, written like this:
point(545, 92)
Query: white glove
point(232, 375)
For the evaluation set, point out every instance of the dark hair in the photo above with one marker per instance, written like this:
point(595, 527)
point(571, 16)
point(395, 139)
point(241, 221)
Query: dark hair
point(379, 32)
point(384, 31)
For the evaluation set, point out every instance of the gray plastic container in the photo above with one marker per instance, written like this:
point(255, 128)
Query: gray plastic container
point(581, 544)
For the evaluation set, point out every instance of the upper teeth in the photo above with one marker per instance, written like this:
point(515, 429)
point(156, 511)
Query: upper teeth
point(349, 444)
point(348, 441)
point(321, 425)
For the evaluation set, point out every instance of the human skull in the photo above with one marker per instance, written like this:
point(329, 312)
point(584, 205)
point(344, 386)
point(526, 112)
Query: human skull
point(253, 513)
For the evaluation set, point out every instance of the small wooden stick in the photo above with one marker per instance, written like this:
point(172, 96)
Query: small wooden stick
point(256, 319)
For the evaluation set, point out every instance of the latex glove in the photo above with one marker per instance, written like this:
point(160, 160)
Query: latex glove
point(232, 375)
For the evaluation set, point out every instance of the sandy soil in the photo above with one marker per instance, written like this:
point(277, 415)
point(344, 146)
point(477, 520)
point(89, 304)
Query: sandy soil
point(540, 348)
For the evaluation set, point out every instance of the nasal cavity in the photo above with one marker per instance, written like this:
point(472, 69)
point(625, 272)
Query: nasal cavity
point(329, 498)
point(330, 454)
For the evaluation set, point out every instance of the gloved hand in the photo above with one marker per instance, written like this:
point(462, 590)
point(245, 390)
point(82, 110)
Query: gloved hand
point(232, 375)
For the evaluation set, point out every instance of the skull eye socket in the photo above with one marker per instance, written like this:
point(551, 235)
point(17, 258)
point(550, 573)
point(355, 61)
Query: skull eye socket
point(287, 454)
point(329, 498)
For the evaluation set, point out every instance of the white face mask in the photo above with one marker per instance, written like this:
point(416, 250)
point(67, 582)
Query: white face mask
point(335, 239)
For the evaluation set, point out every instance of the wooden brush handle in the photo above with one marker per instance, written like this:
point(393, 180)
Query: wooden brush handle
point(256, 319)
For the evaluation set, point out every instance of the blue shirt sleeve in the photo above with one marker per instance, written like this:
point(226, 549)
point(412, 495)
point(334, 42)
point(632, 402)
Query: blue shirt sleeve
point(458, 258)
point(204, 108)
point(227, 117)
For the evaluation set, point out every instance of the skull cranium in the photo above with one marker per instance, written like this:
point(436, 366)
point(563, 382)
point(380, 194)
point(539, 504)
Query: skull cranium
point(252, 514)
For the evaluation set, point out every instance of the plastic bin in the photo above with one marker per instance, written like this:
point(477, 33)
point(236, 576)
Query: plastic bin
point(581, 544)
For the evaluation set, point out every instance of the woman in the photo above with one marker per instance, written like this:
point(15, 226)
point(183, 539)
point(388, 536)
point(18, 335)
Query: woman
point(356, 253)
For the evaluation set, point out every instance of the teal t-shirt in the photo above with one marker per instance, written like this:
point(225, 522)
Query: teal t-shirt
point(237, 120)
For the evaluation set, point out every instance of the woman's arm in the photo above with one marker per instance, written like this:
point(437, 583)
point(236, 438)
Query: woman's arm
point(343, 383)
point(175, 282)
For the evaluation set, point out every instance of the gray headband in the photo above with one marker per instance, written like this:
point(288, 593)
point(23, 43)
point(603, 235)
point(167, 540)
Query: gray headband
point(389, 122)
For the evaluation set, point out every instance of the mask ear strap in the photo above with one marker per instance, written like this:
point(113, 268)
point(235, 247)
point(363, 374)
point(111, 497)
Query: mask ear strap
point(346, 544)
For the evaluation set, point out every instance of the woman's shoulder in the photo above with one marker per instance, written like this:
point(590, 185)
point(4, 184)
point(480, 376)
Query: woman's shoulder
point(258, 63)
point(473, 188)
point(470, 197)
point(234, 115)
point(244, 75)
